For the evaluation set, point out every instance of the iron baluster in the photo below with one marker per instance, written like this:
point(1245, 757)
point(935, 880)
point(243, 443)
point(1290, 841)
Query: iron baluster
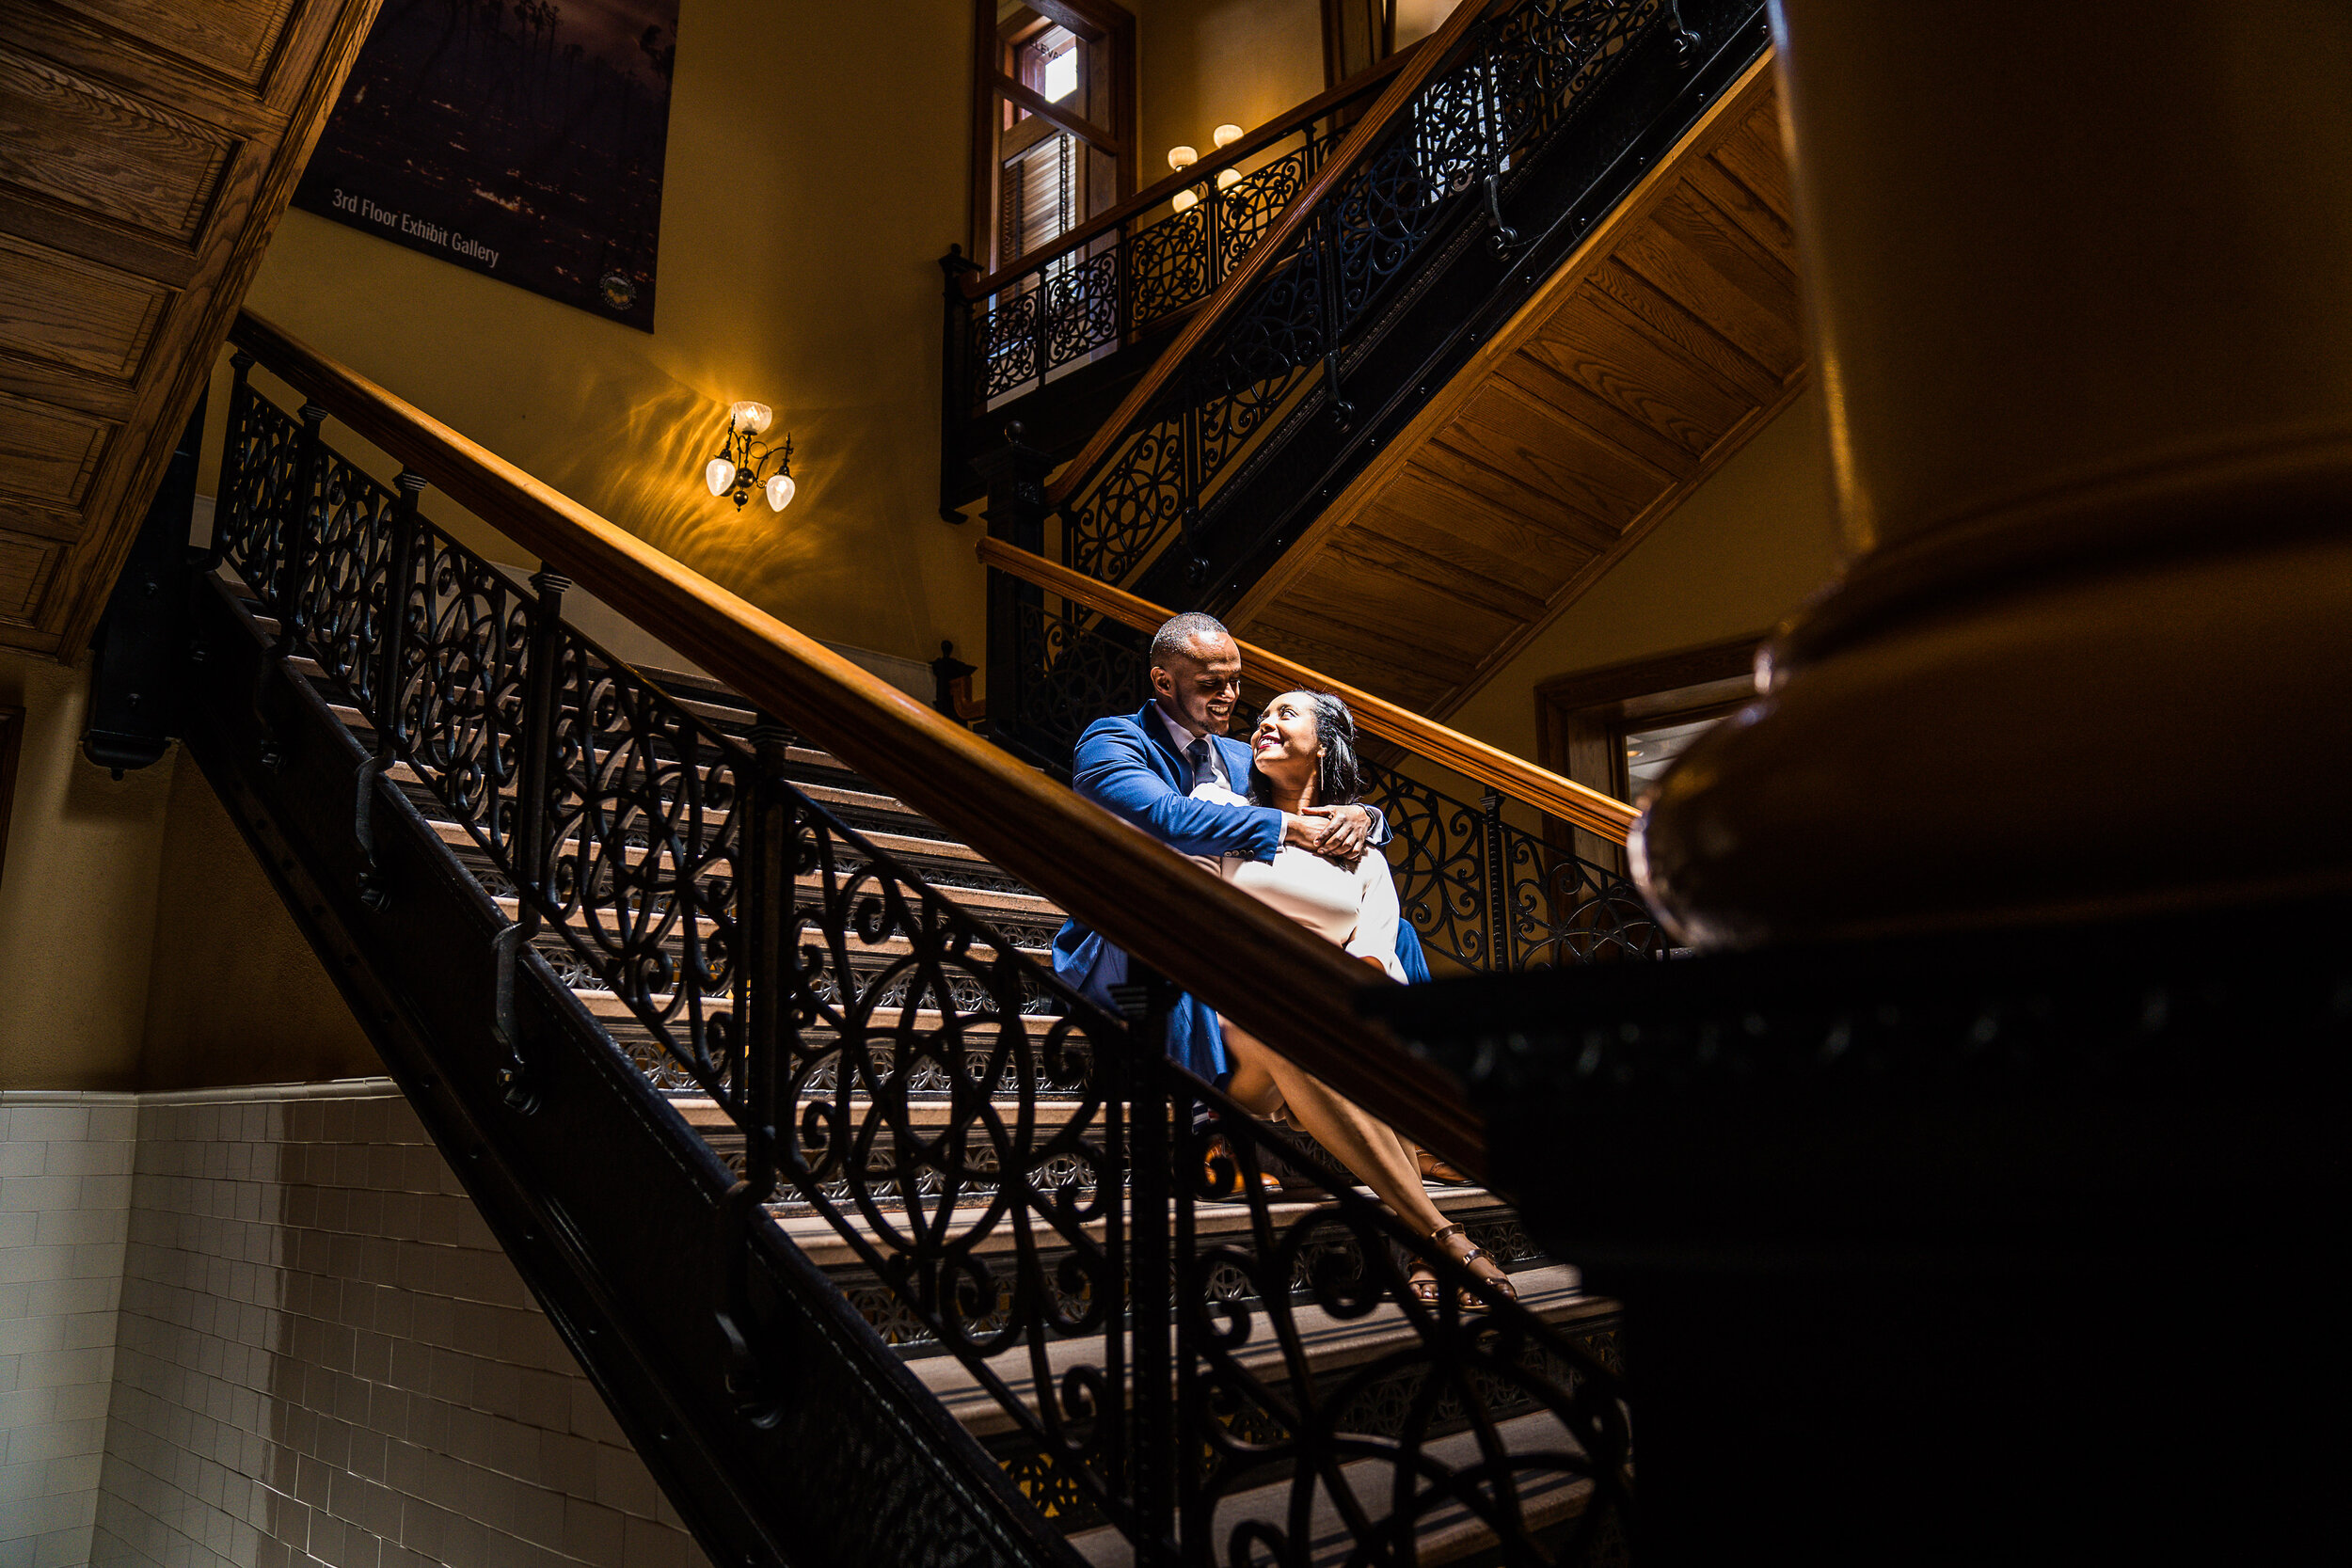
point(1124, 286)
point(1325, 247)
point(1145, 1001)
point(763, 932)
point(294, 615)
point(384, 711)
point(1189, 437)
point(294, 536)
point(531, 850)
point(1498, 884)
point(231, 484)
point(1493, 154)
point(391, 729)
point(1040, 329)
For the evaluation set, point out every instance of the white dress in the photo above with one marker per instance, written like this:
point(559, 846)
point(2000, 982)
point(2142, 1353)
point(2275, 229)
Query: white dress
point(1357, 909)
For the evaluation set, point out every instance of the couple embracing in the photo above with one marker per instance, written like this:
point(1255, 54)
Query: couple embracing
point(1280, 819)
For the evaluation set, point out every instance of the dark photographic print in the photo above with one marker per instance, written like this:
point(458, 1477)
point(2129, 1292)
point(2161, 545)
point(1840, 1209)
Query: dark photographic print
point(520, 138)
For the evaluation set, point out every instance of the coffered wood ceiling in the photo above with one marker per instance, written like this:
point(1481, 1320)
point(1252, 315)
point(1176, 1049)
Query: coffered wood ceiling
point(1665, 341)
point(147, 151)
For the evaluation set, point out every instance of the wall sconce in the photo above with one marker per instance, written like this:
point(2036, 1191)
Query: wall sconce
point(735, 470)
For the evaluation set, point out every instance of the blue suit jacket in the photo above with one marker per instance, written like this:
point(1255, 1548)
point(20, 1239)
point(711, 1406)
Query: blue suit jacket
point(1126, 765)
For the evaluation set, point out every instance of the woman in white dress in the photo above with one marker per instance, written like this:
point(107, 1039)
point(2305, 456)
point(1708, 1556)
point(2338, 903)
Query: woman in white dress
point(1303, 754)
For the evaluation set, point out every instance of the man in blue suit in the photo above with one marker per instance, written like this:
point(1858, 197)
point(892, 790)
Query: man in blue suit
point(1144, 766)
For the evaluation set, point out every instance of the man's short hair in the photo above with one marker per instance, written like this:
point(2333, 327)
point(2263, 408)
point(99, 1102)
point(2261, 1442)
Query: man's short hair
point(1174, 638)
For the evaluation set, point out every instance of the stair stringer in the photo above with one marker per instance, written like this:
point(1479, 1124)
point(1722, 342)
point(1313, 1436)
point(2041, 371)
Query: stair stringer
point(612, 1210)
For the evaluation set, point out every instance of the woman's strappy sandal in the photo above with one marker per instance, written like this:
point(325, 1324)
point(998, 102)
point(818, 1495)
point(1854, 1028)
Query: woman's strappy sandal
point(1426, 1289)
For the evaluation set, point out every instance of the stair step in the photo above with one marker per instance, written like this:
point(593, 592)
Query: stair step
point(606, 1006)
point(829, 1249)
point(1553, 1292)
point(979, 901)
point(1447, 1533)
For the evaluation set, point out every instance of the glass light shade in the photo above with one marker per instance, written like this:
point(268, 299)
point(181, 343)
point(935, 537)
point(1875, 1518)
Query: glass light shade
point(1228, 178)
point(719, 473)
point(1181, 157)
point(780, 492)
point(1184, 201)
point(752, 417)
point(1227, 135)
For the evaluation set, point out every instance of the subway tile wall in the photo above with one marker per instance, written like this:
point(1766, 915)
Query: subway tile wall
point(320, 1357)
point(65, 1204)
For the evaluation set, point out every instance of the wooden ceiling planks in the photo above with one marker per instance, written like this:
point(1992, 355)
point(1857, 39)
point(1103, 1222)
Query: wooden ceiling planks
point(1667, 339)
point(148, 149)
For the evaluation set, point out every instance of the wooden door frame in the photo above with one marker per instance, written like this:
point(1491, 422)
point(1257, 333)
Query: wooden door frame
point(1578, 717)
point(1106, 27)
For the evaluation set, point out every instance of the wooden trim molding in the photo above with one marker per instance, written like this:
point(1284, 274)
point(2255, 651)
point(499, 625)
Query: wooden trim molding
point(1196, 930)
point(1588, 809)
point(1579, 715)
point(1726, 659)
point(11, 739)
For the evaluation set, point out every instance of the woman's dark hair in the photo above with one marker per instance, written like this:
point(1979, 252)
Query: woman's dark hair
point(1338, 777)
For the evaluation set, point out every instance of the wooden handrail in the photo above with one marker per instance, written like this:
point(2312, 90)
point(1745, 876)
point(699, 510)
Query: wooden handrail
point(1268, 249)
point(1521, 780)
point(1267, 971)
point(976, 285)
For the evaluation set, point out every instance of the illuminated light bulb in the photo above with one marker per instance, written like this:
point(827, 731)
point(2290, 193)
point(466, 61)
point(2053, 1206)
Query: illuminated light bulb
point(1181, 157)
point(1228, 178)
point(752, 417)
point(780, 492)
point(1226, 136)
point(1184, 201)
point(719, 473)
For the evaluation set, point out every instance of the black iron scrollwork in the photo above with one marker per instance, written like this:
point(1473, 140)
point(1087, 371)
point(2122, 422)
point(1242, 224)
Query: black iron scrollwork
point(1026, 1181)
point(1468, 136)
point(1479, 890)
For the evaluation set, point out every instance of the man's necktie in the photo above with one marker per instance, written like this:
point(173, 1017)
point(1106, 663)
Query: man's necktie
point(1197, 754)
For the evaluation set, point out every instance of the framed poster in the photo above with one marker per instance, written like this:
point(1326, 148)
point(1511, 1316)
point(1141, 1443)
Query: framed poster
point(522, 140)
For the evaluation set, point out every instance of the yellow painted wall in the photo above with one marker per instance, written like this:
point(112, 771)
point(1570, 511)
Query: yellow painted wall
point(77, 896)
point(235, 993)
point(1205, 63)
point(1744, 550)
point(816, 168)
point(141, 948)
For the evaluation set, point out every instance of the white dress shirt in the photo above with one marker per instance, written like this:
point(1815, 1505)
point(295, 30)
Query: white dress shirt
point(1181, 739)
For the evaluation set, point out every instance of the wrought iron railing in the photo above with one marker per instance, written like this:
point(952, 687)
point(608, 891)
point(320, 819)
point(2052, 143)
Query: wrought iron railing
point(1117, 282)
point(1480, 888)
point(1064, 306)
point(1023, 1174)
point(1282, 351)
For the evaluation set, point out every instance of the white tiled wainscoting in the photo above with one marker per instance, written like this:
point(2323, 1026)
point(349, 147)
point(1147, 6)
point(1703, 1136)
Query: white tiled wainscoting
point(65, 1205)
point(319, 1356)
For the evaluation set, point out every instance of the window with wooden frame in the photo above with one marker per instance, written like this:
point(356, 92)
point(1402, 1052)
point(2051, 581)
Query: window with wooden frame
point(1618, 728)
point(1054, 139)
